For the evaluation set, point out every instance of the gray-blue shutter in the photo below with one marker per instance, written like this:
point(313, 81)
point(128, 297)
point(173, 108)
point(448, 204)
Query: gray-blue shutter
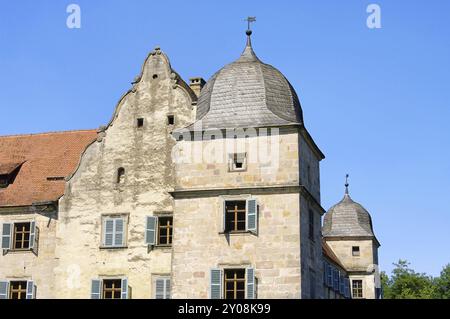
point(160, 288)
point(108, 240)
point(4, 289)
point(118, 232)
point(124, 287)
point(167, 288)
point(329, 276)
point(32, 234)
point(150, 232)
point(216, 284)
point(96, 289)
point(336, 280)
point(347, 288)
point(224, 215)
point(30, 289)
point(6, 235)
point(341, 284)
point(252, 216)
point(250, 283)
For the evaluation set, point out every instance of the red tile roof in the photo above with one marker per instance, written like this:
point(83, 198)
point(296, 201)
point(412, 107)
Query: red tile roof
point(43, 155)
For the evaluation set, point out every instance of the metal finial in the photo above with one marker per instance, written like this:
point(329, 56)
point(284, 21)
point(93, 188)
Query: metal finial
point(346, 184)
point(249, 20)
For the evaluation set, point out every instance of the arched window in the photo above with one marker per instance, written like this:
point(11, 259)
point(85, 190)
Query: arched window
point(120, 175)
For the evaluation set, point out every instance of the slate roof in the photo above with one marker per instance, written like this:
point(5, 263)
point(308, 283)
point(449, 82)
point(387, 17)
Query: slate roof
point(347, 219)
point(37, 158)
point(248, 93)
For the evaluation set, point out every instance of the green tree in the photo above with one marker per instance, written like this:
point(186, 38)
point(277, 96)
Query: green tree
point(443, 283)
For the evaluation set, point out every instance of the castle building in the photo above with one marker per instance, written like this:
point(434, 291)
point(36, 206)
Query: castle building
point(200, 190)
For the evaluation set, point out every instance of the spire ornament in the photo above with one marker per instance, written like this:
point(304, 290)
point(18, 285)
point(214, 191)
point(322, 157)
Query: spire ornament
point(346, 184)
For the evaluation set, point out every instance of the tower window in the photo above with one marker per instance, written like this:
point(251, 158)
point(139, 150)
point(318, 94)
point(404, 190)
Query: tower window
point(120, 175)
point(357, 289)
point(140, 122)
point(311, 225)
point(234, 283)
point(170, 119)
point(237, 162)
point(235, 215)
point(355, 250)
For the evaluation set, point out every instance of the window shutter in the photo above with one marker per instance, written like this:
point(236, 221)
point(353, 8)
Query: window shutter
point(329, 276)
point(96, 289)
point(341, 284)
point(118, 232)
point(150, 233)
point(108, 239)
point(167, 288)
point(124, 288)
point(30, 289)
point(224, 216)
point(4, 289)
point(252, 216)
point(347, 288)
point(160, 288)
point(336, 280)
point(216, 284)
point(6, 235)
point(250, 283)
point(32, 234)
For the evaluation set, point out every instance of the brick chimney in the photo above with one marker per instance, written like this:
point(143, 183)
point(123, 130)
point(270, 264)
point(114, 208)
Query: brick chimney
point(196, 85)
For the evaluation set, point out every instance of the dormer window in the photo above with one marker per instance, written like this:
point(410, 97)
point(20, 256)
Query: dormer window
point(237, 162)
point(8, 172)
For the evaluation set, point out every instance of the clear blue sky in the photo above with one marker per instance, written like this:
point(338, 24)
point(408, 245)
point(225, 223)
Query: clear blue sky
point(377, 102)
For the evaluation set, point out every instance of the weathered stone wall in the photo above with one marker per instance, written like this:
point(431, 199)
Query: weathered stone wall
point(145, 154)
point(25, 265)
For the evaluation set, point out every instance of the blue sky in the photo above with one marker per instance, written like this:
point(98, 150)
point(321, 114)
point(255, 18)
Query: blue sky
point(376, 101)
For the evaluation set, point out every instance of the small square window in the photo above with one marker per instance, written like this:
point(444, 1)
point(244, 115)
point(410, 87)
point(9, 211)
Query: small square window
point(140, 122)
point(170, 119)
point(355, 251)
point(237, 162)
point(235, 216)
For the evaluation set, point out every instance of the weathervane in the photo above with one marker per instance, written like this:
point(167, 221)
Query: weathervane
point(346, 184)
point(250, 20)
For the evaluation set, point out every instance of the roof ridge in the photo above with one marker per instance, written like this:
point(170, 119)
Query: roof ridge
point(49, 133)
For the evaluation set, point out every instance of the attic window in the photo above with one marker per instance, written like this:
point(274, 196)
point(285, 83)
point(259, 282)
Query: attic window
point(140, 122)
point(170, 119)
point(8, 172)
point(355, 251)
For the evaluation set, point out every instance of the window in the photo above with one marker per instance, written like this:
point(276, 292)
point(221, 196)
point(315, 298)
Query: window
point(114, 230)
point(311, 225)
point(357, 290)
point(170, 119)
point(113, 288)
point(18, 290)
point(140, 122)
point(234, 283)
point(235, 216)
point(162, 288)
point(237, 162)
point(355, 250)
point(120, 175)
point(165, 230)
point(21, 236)
point(240, 216)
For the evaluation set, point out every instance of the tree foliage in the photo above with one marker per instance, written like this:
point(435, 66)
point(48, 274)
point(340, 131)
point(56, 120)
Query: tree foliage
point(405, 283)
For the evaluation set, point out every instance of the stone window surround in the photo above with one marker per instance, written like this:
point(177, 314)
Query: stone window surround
point(224, 198)
point(126, 217)
point(232, 168)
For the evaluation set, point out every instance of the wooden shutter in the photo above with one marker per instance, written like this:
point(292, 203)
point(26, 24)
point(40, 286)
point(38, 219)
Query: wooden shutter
point(30, 289)
point(329, 276)
point(347, 288)
point(108, 236)
point(167, 281)
point(119, 232)
point(150, 233)
point(252, 216)
point(224, 215)
point(4, 285)
point(6, 235)
point(336, 280)
point(216, 284)
point(250, 283)
point(160, 288)
point(124, 287)
point(32, 235)
point(96, 289)
point(341, 284)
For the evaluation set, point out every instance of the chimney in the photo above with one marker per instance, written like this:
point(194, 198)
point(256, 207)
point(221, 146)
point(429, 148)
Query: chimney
point(196, 84)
